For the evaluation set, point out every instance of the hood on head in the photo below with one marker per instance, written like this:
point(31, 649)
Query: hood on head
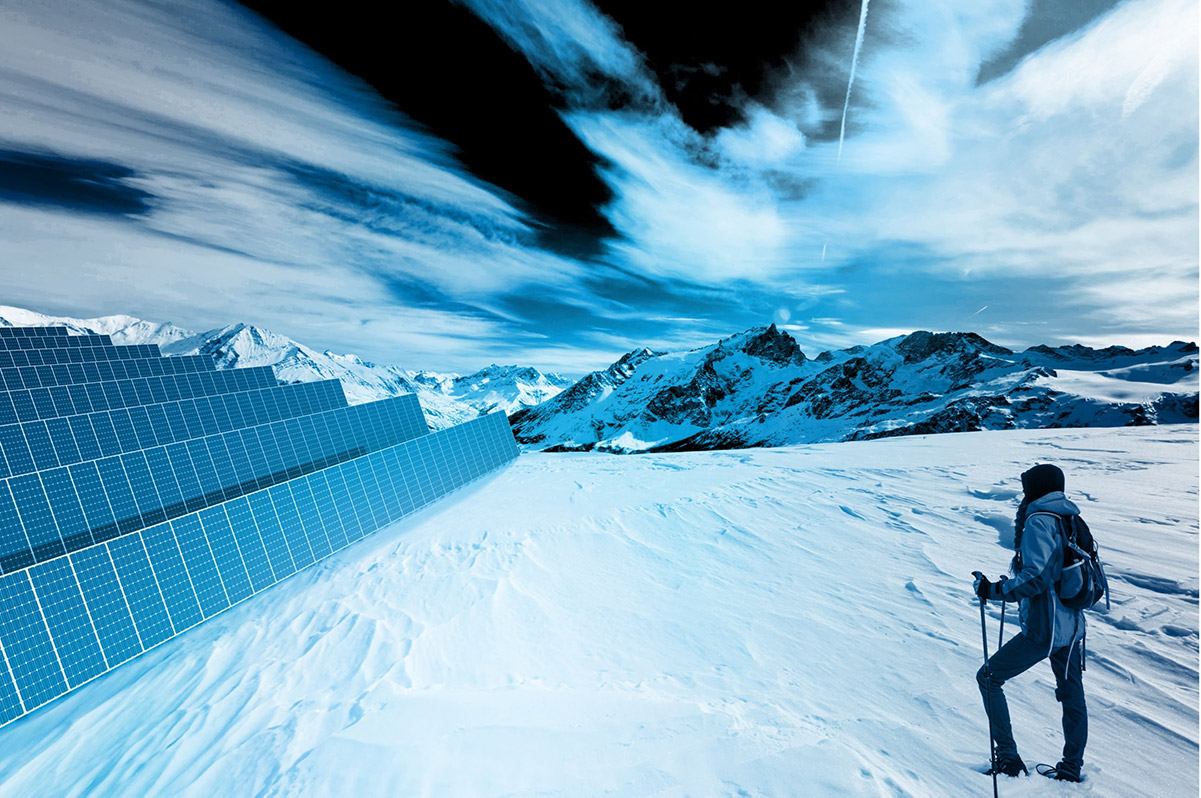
point(1041, 480)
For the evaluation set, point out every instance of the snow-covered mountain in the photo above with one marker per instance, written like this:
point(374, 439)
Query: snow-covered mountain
point(447, 399)
point(758, 389)
point(124, 330)
point(508, 388)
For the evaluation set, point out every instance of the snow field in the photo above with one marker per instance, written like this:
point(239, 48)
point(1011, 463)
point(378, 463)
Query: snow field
point(792, 621)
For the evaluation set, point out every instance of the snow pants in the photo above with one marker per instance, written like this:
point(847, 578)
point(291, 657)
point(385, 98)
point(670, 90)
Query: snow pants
point(1017, 656)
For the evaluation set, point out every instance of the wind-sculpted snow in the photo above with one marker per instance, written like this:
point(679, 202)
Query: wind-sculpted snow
point(759, 389)
point(777, 622)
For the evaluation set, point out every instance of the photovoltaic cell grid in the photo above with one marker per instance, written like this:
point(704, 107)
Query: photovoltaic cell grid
point(68, 439)
point(130, 514)
point(86, 397)
point(95, 500)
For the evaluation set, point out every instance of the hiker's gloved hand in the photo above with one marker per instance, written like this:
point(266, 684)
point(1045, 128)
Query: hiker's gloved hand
point(986, 589)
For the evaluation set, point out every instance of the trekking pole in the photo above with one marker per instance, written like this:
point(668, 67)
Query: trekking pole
point(1001, 634)
point(992, 750)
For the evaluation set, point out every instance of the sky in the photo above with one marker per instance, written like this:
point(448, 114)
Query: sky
point(556, 182)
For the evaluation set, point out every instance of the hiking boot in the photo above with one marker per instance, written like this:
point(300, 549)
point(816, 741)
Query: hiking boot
point(1064, 771)
point(1008, 766)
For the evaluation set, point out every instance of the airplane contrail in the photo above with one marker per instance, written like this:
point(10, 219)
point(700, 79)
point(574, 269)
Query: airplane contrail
point(981, 310)
point(854, 63)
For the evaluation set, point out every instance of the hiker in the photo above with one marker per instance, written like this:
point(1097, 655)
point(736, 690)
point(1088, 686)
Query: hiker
point(1049, 629)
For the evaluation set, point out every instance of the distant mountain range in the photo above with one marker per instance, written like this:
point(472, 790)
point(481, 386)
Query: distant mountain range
point(759, 389)
point(756, 388)
point(447, 399)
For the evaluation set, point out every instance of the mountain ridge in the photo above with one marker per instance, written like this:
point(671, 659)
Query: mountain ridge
point(754, 388)
point(757, 388)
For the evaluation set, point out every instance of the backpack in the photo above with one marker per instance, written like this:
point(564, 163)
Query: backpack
point(1083, 583)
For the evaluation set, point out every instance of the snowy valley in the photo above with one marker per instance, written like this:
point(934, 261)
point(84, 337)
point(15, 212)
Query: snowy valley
point(705, 357)
point(791, 618)
point(776, 622)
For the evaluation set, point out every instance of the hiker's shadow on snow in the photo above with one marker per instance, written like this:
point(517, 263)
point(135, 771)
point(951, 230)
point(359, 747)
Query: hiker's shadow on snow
point(1002, 523)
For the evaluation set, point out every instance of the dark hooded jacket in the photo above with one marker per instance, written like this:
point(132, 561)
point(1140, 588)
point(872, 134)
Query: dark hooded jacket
point(1045, 621)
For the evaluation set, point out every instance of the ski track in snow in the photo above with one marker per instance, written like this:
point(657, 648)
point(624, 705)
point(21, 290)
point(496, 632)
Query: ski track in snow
point(758, 622)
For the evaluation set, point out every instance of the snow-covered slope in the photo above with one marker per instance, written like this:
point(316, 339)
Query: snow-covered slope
point(447, 399)
point(769, 622)
point(759, 389)
point(125, 330)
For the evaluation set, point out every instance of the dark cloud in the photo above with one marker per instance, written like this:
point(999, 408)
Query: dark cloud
point(75, 184)
point(373, 207)
point(446, 69)
point(455, 75)
point(1046, 20)
point(711, 61)
point(644, 311)
point(421, 294)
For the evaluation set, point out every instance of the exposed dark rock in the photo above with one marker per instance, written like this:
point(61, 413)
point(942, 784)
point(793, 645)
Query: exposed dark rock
point(1079, 352)
point(706, 440)
point(922, 344)
point(965, 415)
point(923, 383)
point(776, 346)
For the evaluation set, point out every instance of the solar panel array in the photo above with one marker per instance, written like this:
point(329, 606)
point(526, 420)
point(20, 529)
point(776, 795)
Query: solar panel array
point(140, 495)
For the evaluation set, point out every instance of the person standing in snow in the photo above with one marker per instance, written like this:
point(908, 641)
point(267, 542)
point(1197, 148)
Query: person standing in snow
point(1049, 629)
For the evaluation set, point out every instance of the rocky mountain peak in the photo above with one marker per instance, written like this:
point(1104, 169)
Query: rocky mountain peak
point(923, 344)
point(633, 358)
point(768, 343)
point(493, 371)
point(595, 384)
point(926, 382)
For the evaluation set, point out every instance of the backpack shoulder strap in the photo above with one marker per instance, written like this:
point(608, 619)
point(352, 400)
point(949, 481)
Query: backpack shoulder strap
point(1064, 525)
point(1061, 518)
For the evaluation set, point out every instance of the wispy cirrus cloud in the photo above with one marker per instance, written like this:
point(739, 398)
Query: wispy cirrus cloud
point(270, 187)
point(235, 174)
point(1045, 192)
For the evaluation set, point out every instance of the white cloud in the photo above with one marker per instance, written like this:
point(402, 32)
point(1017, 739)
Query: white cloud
point(1135, 47)
point(568, 40)
point(151, 86)
point(1080, 166)
point(679, 218)
point(144, 275)
point(765, 139)
point(284, 192)
point(1049, 175)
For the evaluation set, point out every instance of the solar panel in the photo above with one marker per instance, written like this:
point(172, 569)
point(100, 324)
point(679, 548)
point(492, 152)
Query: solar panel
point(28, 404)
point(44, 350)
point(130, 512)
point(63, 440)
point(14, 378)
